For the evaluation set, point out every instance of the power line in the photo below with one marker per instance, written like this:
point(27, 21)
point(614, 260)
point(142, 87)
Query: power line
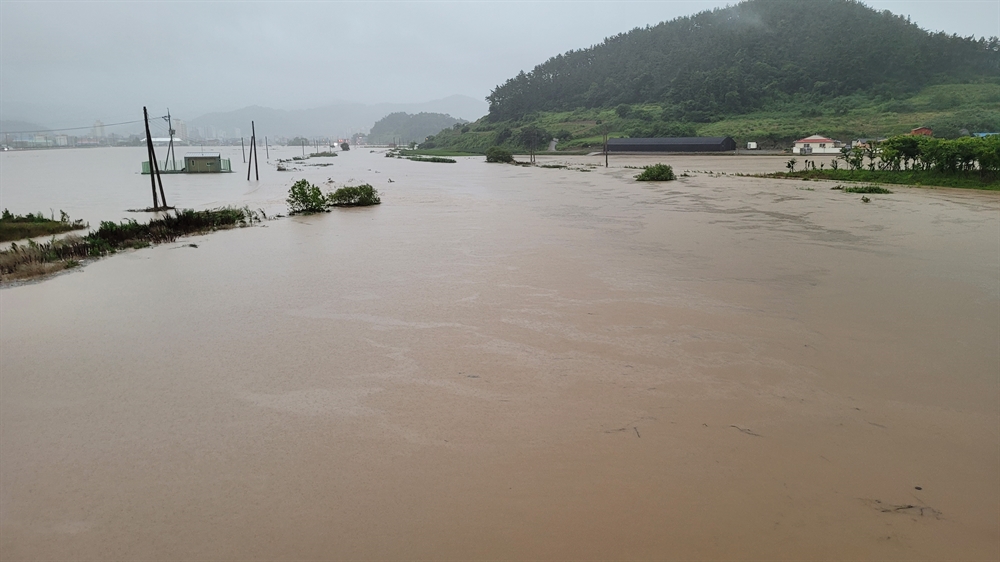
point(69, 128)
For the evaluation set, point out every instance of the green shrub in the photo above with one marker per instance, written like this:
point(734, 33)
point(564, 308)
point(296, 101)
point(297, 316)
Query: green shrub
point(354, 196)
point(656, 172)
point(497, 154)
point(305, 198)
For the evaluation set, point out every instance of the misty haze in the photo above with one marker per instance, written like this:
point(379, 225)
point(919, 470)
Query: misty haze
point(669, 280)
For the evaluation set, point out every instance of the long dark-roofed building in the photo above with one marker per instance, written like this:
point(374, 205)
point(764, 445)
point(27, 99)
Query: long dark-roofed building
point(673, 144)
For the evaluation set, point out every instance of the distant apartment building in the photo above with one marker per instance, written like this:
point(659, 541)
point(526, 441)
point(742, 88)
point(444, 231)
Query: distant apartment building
point(181, 129)
point(97, 130)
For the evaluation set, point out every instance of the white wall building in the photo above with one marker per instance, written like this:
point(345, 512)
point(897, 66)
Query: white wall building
point(816, 144)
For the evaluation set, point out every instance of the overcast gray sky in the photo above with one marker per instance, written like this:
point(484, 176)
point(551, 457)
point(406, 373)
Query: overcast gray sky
point(84, 60)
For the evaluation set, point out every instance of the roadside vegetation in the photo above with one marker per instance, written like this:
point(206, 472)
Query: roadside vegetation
point(19, 227)
point(968, 162)
point(24, 261)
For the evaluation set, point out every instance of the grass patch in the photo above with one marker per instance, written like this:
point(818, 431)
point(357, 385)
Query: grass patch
point(35, 259)
point(19, 227)
point(656, 172)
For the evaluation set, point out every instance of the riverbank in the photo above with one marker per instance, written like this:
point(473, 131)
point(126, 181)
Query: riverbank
point(33, 259)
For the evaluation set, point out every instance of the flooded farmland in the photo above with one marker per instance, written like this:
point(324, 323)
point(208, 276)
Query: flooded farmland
point(505, 362)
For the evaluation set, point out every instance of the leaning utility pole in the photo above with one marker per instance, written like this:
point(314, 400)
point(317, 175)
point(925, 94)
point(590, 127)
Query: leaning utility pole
point(154, 168)
point(253, 151)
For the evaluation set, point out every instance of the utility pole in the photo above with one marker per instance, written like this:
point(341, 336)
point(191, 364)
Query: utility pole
point(253, 151)
point(255, 158)
point(152, 158)
point(170, 148)
point(605, 149)
point(154, 167)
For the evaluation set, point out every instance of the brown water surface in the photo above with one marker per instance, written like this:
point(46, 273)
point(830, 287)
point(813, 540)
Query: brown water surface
point(512, 363)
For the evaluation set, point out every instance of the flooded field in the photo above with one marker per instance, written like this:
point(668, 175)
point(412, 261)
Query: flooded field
point(504, 362)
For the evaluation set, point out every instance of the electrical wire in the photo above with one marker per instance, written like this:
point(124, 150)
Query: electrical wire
point(71, 128)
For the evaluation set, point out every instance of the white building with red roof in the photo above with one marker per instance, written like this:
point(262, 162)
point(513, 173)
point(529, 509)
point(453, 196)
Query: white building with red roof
point(816, 144)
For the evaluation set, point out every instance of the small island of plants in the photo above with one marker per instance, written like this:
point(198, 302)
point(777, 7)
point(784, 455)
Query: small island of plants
point(656, 172)
point(306, 198)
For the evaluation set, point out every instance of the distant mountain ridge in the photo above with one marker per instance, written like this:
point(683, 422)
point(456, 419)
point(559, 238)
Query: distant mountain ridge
point(741, 58)
point(340, 119)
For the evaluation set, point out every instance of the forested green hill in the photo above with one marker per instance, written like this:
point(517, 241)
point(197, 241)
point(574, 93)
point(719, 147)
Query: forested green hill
point(742, 58)
point(405, 128)
point(773, 68)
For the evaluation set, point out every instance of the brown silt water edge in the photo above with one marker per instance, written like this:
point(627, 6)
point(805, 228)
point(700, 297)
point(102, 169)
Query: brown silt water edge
point(503, 362)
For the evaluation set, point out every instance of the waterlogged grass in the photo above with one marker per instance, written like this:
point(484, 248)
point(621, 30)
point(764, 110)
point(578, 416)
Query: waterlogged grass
point(437, 152)
point(19, 227)
point(431, 159)
point(966, 180)
point(24, 261)
point(870, 188)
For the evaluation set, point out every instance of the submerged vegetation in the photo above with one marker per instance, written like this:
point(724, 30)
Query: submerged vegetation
point(19, 227)
point(305, 198)
point(34, 259)
point(869, 188)
point(431, 159)
point(656, 172)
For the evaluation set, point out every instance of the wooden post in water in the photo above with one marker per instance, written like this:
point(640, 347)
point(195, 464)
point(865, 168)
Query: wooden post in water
point(267, 152)
point(244, 148)
point(152, 157)
point(605, 149)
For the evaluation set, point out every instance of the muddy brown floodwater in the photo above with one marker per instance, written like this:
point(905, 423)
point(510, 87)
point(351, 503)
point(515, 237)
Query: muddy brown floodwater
point(512, 363)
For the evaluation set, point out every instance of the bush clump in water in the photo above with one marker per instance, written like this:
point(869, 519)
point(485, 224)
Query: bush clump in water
point(305, 198)
point(354, 196)
point(656, 172)
point(497, 154)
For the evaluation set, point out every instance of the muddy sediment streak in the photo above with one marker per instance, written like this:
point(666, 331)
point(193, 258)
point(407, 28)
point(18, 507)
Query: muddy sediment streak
point(503, 362)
